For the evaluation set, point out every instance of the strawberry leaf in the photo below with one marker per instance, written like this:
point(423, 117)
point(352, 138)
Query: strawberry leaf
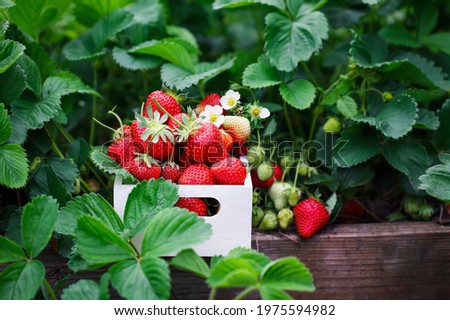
point(5, 125)
point(13, 166)
point(260, 75)
point(88, 290)
point(188, 260)
point(97, 243)
point(441, 137)
point(21, 280)
point(220, 4)
point(134, 61)
point(395, 118)
point(146, 200)
point(172, 230)
point(436, 180)
point(152, 275)
point(10, 251)
point(359, 144)
point(108, 165)
point(289, 41)
point(12, 84)
point(299, 93)
point(10, 51)
point(347, 106)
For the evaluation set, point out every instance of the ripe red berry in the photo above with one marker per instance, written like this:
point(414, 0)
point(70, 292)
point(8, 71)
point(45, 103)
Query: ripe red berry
point(210, 100)
point(196, 205)
point(310, 216)
point(257, 183)
point(142, 170)
point(169, 103)
point(197, 174)
point(277, 172)
point(353, 207)
point(171, 171)
point(205, 145)
point(229, 171)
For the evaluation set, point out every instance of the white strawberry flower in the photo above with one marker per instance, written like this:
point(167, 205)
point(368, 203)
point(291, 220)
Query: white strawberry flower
point(259, 112)
point(213, 114)
point(230, 99)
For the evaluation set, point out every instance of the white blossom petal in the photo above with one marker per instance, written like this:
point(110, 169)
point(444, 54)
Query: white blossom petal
point(264, 113)
point(216, 109)
point(209, 108)
point(204, 114)
point(220, 120)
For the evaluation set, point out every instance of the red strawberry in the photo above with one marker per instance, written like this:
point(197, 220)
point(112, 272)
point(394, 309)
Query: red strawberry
point(240, 150)
point(227, 140)
point(310, 217)
point(196, 205)
point(197, 174)
point(160, 150)
point(123, 151)
point(261, 184)
point(277, 172)
point(212, 100)
point(171, 171)
point(174, 125)
point(126, 129)
point(168, 102)
point(205, 145)
point(145, 169)
point(183, 161)
point(353, 207)
point(229, 171)
point(238, 127)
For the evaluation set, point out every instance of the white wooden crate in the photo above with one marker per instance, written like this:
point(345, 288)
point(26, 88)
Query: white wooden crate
point(231, 226)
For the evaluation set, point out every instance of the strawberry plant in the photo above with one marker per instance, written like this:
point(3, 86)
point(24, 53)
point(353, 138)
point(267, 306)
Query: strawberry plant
point(341, 108)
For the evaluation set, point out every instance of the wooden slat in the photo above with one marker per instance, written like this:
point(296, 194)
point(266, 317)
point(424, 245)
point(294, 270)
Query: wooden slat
point(408, 260)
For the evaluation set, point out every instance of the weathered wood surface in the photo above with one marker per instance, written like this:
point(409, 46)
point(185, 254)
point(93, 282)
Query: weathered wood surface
point(409, 260)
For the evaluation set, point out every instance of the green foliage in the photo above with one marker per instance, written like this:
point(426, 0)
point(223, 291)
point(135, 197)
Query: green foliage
point(108, 165)
point(246, 268)
point(298, 93)
point(10, 51)
point(88, 290)
point(436, 180)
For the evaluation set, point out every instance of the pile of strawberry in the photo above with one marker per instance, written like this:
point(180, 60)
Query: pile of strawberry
point(190, 148)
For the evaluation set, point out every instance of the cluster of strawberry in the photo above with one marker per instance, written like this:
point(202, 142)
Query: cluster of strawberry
point(191, 148)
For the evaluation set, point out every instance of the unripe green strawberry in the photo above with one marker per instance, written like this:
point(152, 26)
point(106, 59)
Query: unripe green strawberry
point(294, 196)
point(257, 216)
point(303, 170)
point(425, 211)
point(411, 206)
point(264, 171)
point(285, 217)
point(286, 162)
point(332, 125)
point(269, 222)
point(255, 156)
point(387, 96)
point(312, 171)
point(278, 194)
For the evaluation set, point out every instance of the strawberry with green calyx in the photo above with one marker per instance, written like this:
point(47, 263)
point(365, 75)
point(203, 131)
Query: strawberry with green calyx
point(205, 145)
point(255, 156)
point(168, 101)
point(157, 137)
point(197, 174)
point(238, 127)
point(411, 206)
point(332, 125)
point(310, 216)
point(195, 205)
point(285, 217)
point(229, 171)
point(269, 221)
point(257, 216)
point(387, 96)
point(278, 194)
point(264, 171)
point(145, 167)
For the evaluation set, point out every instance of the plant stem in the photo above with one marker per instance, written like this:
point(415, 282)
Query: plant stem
point(50, 290)
point(244, 293)
point(54, 145)
point(134, 248)
point(288, 120)
point(296, 173)
point(313, 124)
point(212, 294)
point(309, 73)
point(319, 5)
point(94, 104)
point(85, 185)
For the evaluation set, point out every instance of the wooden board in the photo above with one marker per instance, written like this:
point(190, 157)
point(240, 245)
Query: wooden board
point(407, 260)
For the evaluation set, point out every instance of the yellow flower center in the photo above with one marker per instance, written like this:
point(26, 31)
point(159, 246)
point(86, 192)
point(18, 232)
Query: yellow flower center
point(231, 102)
point(213, 117)
point(256, 111)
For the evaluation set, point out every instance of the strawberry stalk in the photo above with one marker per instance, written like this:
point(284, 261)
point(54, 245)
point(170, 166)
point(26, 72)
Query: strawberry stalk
point(169, 115)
